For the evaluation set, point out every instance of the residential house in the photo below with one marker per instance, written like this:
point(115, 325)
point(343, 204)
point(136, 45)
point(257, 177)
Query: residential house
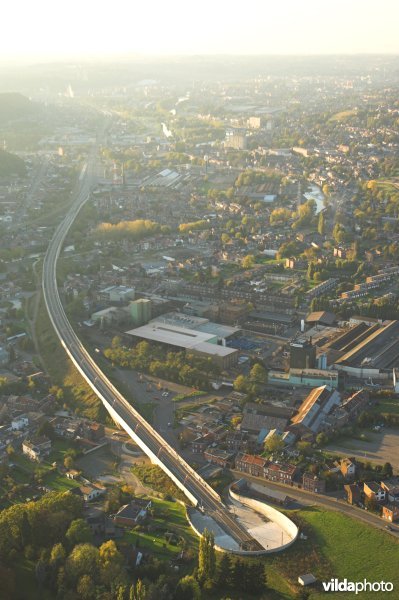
point(90, 493)
point(373, 491)
point(236, 441)
point(220, 457)
point(19, 423)
point(132, 513)
point(281, 472)
point(37, 447)
point(253, 465)
point(313, 483)
point(391, 486)
point(73, 474)
point(347, 468)
point(201, 443)
point(353, 493)
point(390, 512)
point(93, 431)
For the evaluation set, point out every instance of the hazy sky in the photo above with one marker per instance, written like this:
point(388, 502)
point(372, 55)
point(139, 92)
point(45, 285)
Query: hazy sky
point(70, 28)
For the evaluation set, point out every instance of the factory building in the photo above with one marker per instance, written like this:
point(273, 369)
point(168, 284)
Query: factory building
point(302, 354)
point(140, 311)
point(192, 341)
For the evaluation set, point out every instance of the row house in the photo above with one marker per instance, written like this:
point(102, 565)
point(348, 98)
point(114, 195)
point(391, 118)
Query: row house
point(220, 457)
point(201, 443)
point(283, 473)
point(251, 464)
point(312, 483)
point(261, 467)
point(236, 441)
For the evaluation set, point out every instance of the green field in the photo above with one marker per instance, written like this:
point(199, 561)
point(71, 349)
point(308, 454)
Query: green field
point(387, 406)
point(343, 115)
point(25, 468)
point(337, 546)
point(169, 517)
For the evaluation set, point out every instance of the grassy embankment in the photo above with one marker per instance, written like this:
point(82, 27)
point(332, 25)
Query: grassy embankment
point(77, 392)
point(337, 546)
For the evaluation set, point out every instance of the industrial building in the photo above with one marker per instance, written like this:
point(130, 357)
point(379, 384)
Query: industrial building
point(302, 354)
point(366, 351)
point(304, 378)
point(314, 410)
point(190, 340)
point(267, 416)
point(4, 357)
point(140, 311)
point(222, 332)
point(117, 293)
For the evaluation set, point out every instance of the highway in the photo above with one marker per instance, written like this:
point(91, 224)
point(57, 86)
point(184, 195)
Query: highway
point(196, 489)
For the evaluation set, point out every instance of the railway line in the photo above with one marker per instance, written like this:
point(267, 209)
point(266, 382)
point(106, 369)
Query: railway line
point(196, 489)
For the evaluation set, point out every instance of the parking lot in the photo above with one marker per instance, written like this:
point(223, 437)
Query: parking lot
point(380, 447)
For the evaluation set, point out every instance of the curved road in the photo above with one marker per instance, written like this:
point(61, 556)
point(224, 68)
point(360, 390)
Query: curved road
point(150, 441)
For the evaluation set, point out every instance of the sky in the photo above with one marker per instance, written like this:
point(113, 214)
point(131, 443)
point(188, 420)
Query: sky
point(51, 29)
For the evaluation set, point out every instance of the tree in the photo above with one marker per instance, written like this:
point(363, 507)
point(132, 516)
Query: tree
point(79, 532)
point(387, 470)
point(223, 578)
point(116, 342)
point(240, 383)
point(237, 574)
point(47, 429)
point(235, 421)
point(321, 226)
point(206, 556)
point(138, 591)
point(248, 261)
point(83, 560)
point(254, 581)
point(304, 448)
point(57, 556)
point(258, 374)
point(371, 504)
point(111, 564)
point(188, 589)
point(26, 530)
point(85, 588)
point(121, 592)
point(280, 216)
point(274, 443)
point(10, 451)
point(321, 439)
point(41, 571)
point(68, 462)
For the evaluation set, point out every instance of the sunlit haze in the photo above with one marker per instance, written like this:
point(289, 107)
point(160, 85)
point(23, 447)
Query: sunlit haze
point(51, 30)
